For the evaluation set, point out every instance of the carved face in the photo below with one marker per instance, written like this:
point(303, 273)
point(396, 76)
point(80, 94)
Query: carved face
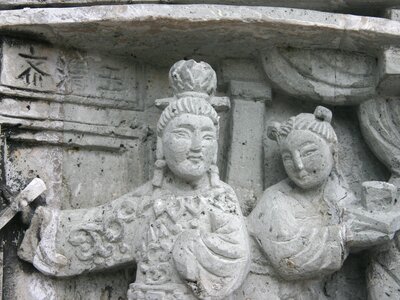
point(189, 146)
point(307, 158)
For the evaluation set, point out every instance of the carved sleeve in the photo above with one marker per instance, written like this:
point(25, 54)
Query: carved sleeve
point(214, 263)
point(71, 242)
point(297, 247)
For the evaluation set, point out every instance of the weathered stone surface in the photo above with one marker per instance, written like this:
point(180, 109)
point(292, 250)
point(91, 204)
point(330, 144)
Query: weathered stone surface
point(378, 195)
point(389, 72)
point(186, 223)
point(307, 224)
point(106, 81)
point(328, 76)
point(77, 108)
point(250, 94)
point(379, 121)
point(355, 6)
point(136, 30)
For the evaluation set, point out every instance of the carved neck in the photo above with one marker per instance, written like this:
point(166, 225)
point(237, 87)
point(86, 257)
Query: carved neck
point(177, 185)
point(314, 195)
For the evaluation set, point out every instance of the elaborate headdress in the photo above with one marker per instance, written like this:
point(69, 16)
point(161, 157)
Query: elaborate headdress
point(194, 85)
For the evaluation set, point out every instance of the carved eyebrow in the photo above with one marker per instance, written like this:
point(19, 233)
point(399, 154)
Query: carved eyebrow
point(206, 128)
point(305, 144)
point(187, 126)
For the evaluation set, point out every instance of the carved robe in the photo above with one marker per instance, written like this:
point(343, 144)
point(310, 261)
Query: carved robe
point(302, 241)
point(185, 246)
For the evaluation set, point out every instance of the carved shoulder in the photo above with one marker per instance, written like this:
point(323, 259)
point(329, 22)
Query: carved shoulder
point(273, 208)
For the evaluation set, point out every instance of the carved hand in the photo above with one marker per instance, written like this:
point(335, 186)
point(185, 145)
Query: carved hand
point(39, 246)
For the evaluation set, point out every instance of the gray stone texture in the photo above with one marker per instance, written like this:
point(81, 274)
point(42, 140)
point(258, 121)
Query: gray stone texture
point(82, 88)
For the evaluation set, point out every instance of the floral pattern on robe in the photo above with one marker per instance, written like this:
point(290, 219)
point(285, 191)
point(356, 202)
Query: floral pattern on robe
point(196, 243)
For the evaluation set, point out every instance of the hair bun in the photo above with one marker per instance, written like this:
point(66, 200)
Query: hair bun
point(189, 76)
point(322, 113)
point(273, 130)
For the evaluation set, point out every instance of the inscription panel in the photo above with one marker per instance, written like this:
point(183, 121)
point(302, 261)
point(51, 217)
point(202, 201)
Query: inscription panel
point(84, 78)
point(29, 66)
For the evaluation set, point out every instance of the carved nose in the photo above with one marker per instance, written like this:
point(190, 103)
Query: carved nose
point(196, 144)
point(298, 163)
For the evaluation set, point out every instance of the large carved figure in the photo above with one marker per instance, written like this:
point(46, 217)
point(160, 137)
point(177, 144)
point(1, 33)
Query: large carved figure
point(307, 224)
point(184, 229)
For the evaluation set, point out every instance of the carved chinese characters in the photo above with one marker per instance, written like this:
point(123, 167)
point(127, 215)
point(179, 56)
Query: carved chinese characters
point(29, 66)
point(78, 76)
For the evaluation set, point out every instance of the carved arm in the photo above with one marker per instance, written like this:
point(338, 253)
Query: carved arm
point(298, 248)
point(71, 242)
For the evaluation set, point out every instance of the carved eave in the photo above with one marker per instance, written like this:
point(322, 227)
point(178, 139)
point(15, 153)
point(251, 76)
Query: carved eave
point(212, 31)
point(348, 6)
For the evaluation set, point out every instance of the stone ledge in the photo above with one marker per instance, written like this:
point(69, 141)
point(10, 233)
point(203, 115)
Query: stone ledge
point(138, 30)
point(353, 6)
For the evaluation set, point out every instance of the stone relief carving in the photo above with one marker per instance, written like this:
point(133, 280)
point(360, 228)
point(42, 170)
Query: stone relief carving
point(307, 224)
point(184, 229)
point(329, 76)
point(379, 121)
point(77, 90)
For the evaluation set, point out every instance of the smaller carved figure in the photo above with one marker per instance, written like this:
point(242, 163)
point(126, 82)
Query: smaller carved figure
point(307, 224)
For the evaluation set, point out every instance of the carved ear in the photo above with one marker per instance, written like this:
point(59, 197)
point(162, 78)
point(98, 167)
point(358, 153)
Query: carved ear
point(322, 113)
point(273, 130)
point(159, 164)
point(215, 158)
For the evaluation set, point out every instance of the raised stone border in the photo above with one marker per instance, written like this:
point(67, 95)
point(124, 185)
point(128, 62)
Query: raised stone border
point(138, 29)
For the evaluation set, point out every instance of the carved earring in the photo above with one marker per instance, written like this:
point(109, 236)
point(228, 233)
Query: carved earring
point(159, 165)
point(214, 173)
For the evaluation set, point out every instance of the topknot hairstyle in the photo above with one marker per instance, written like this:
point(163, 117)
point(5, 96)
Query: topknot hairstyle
point(319, 123)
point(191, 77)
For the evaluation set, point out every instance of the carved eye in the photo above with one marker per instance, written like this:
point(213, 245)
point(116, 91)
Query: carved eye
point(208, 137)
point(309, 152)
point(181, 133)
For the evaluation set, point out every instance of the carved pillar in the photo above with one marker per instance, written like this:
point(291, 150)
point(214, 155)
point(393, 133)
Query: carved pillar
point(249, 94)
point(70, 114)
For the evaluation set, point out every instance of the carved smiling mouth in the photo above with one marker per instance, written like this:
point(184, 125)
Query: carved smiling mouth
point(302, 175)
point(195, 158)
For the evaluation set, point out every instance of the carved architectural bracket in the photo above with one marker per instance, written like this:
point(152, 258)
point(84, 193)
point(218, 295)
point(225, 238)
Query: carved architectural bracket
point(327, 76)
